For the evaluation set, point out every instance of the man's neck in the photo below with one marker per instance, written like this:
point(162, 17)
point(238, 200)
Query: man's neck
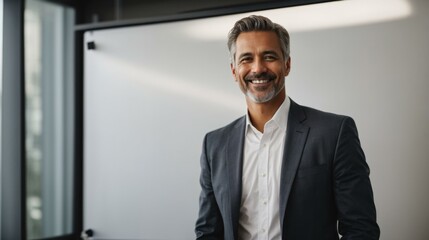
point(261, 113)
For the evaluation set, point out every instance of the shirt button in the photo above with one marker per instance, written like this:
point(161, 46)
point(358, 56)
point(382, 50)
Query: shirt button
point(265, 202)
point(263, 229)
point(264, 174)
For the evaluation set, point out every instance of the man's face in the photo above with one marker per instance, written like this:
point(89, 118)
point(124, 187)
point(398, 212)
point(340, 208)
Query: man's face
point(259, 66)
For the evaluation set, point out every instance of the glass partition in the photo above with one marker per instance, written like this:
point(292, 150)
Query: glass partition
point(48, 40)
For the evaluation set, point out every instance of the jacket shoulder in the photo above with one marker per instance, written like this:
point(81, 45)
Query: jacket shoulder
point(316, 116)
point(225, 130)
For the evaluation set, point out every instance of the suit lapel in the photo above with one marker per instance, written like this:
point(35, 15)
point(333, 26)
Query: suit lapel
point(234, 163)
point(296, 137)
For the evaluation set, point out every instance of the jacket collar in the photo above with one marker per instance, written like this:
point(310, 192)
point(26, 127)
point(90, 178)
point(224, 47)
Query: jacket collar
point(296, 136)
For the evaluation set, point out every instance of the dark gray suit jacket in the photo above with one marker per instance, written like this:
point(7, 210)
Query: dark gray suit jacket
point(324, 180)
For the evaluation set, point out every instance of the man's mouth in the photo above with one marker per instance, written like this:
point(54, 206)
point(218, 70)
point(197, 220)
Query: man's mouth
point(262, 78)
point(258, 81)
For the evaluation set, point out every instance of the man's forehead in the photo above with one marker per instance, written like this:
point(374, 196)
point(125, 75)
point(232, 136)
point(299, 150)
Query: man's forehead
point(266, 40)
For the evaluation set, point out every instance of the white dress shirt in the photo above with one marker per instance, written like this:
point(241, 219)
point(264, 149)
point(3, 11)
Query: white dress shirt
point(263, 155)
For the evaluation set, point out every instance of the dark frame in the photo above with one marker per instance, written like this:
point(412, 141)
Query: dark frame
point(13, 187)
point(198, 14)
point(13, 124)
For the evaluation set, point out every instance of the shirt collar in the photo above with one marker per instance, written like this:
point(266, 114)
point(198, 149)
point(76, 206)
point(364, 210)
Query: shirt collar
point(279, 118)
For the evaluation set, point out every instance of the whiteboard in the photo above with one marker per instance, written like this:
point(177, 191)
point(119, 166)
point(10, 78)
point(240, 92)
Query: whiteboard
point(153, 91)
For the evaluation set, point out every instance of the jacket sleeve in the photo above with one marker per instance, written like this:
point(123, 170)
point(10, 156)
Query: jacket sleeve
point(353, 191)
point(209, 223)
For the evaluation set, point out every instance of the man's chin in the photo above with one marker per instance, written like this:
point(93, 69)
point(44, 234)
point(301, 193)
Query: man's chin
point(260, 99)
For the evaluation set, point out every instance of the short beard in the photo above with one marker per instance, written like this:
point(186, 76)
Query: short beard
point(267, 97)
point(262, 99)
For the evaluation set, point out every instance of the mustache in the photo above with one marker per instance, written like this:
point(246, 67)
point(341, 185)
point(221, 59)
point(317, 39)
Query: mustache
point(260, 76)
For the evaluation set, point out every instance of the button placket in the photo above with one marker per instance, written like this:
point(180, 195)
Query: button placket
point(264, 181)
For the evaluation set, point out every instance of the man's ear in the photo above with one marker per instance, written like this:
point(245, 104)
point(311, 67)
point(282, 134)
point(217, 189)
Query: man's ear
point(233, 71)
point(288, 66)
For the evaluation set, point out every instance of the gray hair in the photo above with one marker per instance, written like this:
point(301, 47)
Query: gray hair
point(257, 23)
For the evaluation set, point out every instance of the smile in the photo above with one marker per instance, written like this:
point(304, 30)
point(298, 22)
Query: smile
point(259, 81)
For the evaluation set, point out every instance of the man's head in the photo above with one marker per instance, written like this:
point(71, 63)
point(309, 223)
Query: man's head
point(257, 23)
point(260, 59)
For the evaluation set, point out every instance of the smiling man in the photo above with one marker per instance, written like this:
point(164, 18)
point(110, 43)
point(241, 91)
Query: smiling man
point(282, 171)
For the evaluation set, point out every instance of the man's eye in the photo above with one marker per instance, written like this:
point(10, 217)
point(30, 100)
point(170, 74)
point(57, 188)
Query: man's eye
point(270, 58)
point(246, 59)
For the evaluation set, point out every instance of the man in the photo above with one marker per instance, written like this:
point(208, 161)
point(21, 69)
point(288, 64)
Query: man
point(283, 171)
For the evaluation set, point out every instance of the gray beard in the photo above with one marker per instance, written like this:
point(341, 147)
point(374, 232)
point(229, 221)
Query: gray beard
point(270, 95)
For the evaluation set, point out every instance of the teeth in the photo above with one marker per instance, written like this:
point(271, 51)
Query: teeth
point(259, 81)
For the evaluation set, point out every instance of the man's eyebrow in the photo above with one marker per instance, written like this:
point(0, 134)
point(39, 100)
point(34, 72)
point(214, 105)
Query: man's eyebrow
point(272, 52)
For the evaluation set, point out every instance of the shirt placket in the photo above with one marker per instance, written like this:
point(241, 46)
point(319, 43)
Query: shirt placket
point(263, 184)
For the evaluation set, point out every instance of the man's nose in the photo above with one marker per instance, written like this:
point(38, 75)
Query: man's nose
point(258, 66)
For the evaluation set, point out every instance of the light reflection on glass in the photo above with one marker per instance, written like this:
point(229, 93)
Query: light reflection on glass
point(49, 118)
point(33, 122)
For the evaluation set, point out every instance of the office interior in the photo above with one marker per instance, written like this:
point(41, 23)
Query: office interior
point(104, 106)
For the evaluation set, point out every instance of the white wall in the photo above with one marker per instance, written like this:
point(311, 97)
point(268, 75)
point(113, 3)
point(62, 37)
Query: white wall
point(379, 74)
point(151, 92)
